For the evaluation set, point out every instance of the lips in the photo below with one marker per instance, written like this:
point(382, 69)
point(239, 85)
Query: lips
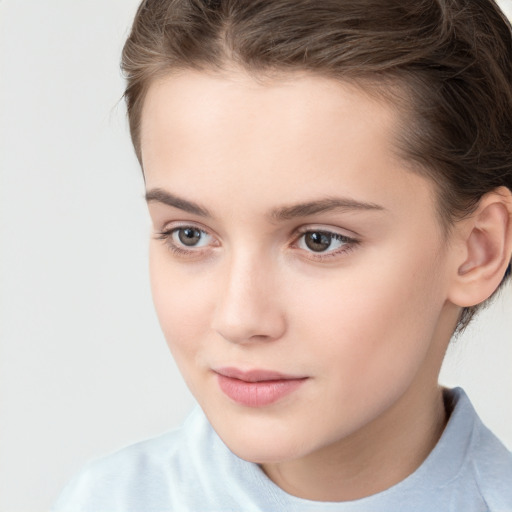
point(256, 388)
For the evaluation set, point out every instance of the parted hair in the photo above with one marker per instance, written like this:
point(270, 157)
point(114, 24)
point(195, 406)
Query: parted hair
point(445, 64)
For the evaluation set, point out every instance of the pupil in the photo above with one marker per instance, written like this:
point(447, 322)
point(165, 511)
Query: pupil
point(189, 236)
point(318, 241)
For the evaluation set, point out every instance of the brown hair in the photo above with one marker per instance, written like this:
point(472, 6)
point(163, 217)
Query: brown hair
point(446, 64)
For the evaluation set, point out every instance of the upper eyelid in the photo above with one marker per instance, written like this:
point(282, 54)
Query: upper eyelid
point(346, 233)
point(168, 227)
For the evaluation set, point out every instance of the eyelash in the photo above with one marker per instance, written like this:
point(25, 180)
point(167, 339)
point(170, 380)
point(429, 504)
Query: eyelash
point(348, 243)
point(166, 236)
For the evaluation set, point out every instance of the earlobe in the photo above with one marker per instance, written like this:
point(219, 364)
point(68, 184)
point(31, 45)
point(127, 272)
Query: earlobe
point(487, 249)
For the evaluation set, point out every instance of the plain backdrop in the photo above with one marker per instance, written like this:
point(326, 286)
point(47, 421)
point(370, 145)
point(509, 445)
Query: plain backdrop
point(84, 369)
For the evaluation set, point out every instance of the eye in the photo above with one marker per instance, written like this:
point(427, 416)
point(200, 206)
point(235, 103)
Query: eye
point(190, 237)
point(186, 240)
point(321, 242)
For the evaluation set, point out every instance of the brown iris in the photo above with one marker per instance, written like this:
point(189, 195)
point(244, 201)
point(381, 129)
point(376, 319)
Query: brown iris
point(317, 241)
point(189, 236)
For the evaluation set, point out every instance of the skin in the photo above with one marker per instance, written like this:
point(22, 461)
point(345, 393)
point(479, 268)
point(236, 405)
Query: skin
point(366, 321)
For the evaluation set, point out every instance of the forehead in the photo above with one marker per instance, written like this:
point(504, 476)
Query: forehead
point(298, 135)
point(302, 105)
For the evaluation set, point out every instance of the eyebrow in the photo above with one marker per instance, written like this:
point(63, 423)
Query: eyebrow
point(321, 206)
point(161, 196)
point(282, 213)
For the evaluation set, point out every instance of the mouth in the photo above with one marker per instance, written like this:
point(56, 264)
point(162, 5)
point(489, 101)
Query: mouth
point(256, 388)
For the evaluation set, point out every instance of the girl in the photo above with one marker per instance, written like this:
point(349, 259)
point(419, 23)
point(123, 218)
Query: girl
point(330, 186)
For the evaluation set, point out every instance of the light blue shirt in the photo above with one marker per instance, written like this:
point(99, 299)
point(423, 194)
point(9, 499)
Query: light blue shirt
point(191, 470)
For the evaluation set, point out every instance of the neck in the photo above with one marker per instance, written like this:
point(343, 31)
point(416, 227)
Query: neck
point(373, 459)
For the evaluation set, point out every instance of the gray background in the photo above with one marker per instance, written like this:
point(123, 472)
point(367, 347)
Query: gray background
point(84, 369)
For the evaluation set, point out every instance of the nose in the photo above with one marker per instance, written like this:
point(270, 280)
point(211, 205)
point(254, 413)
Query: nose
point(249, 308)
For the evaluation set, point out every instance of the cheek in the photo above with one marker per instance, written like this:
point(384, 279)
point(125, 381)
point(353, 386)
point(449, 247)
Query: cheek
point(373, 321)
point(181, 302)
point(367, 339)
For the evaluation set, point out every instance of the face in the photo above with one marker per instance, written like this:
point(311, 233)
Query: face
point(298, 267)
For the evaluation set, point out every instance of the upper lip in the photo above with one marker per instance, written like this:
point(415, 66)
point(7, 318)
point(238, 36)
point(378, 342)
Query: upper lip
point(255, 375)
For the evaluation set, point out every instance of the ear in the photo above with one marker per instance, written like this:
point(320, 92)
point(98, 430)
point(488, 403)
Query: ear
point(485, 249)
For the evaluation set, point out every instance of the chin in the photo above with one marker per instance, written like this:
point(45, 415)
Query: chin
point(261, 435)
point(262, 454)
point(262, 449)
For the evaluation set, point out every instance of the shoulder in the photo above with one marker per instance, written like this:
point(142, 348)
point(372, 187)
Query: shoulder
point(492, 466)
point(489, 462)
point(183, 470)
point(143, 474)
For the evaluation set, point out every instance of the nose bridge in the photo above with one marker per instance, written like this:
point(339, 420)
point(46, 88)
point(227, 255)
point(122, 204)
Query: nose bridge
point(248, 306)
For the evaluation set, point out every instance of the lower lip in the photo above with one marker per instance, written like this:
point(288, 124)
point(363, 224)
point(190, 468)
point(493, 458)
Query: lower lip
point(257, 394)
